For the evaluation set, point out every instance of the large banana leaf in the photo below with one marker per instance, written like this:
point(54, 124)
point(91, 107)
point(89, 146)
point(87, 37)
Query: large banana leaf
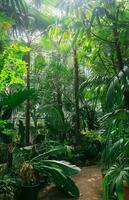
point(71, 188)
point(65, 167)
point(63, 182)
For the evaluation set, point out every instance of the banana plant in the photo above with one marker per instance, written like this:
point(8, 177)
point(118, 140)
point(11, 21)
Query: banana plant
point(59, 172)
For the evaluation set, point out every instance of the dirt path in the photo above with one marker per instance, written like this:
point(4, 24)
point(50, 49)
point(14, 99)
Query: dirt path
point(88, 181)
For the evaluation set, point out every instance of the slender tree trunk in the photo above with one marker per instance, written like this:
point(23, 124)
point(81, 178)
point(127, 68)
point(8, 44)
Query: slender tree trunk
point(60, 106)
point(90, 118)
point(60, 103)
point(9, 156)
point(76, 93)
point(27, 112)
point(35, 123)
point(118, 49)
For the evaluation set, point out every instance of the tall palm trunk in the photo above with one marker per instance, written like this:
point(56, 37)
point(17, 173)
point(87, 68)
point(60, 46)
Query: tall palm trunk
point(27, 112)
point(76, 93)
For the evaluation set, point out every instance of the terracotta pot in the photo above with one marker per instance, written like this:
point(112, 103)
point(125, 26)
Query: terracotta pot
point(126, 190)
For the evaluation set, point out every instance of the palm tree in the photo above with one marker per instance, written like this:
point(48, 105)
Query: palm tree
point(15, 9)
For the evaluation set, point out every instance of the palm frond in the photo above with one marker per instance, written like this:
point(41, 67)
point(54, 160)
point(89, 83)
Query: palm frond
point(14, 9)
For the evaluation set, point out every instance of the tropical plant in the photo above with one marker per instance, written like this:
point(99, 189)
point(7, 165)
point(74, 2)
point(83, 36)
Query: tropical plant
point(114, 181)
point(7, 187)
point(75, 55)
point(58, 171)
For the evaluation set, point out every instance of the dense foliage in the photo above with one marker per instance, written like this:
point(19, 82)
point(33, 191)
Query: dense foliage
point(64, 79)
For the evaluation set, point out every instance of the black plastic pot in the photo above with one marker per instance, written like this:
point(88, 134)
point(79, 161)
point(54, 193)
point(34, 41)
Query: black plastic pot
point(43, 181)
point(30, 192)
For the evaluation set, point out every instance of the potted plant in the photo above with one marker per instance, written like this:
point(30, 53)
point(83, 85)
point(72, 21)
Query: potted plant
point(58, 172)
point(30, 182)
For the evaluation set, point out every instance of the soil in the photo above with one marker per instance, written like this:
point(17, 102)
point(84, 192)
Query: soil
point(88, 181)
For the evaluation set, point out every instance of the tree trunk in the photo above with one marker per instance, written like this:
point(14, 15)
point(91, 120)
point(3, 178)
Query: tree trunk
point(76, 93)
point(118, 48)
point(60, 107)
point(27, 112)
point(9, 156)
point(60, 103)
point(90, 115)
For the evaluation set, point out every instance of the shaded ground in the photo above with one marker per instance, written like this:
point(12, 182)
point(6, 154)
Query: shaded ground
point(88, 181)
